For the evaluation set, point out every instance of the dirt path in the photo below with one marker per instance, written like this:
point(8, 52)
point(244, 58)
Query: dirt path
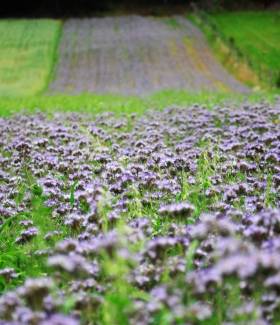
point(137, 55)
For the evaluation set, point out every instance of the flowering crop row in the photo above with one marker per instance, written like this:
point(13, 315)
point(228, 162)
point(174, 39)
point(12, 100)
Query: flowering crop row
point(137, 55)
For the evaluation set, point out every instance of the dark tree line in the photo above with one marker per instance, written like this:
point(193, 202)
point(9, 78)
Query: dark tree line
point(240, 4)
point(64, 8)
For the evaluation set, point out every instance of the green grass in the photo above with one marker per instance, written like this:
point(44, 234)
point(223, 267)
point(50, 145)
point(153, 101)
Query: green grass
point(92, 103)
point(27, 56)
point(22, 257)
point(257, 36)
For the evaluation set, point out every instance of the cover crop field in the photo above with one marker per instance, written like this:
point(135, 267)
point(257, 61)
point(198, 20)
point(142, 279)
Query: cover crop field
point(135, 55)
point(139, 181)
point(150, 220)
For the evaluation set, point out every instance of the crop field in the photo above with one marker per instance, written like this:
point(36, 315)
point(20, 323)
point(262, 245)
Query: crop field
point(256, 36)
point(139, 180)
point(135, 55)
point(141, 220)
point(26, 57)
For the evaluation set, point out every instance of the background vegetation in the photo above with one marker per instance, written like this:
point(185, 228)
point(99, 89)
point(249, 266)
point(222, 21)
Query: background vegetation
point(256, 35)
point(29, 53)
point(27, 56)
point(247, 43)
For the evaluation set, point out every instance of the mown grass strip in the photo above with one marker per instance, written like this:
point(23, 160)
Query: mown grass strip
point(93, 104)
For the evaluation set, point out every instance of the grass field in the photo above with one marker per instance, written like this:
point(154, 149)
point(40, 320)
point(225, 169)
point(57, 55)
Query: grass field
point(92, 103)
point(27, 56)
point(256, 35)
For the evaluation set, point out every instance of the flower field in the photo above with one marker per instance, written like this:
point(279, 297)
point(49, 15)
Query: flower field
point(141, 220)
point(139, 180)
point(135, 55)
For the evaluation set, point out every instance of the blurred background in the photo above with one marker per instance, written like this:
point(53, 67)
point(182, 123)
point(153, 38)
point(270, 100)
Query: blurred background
point(64, 8)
